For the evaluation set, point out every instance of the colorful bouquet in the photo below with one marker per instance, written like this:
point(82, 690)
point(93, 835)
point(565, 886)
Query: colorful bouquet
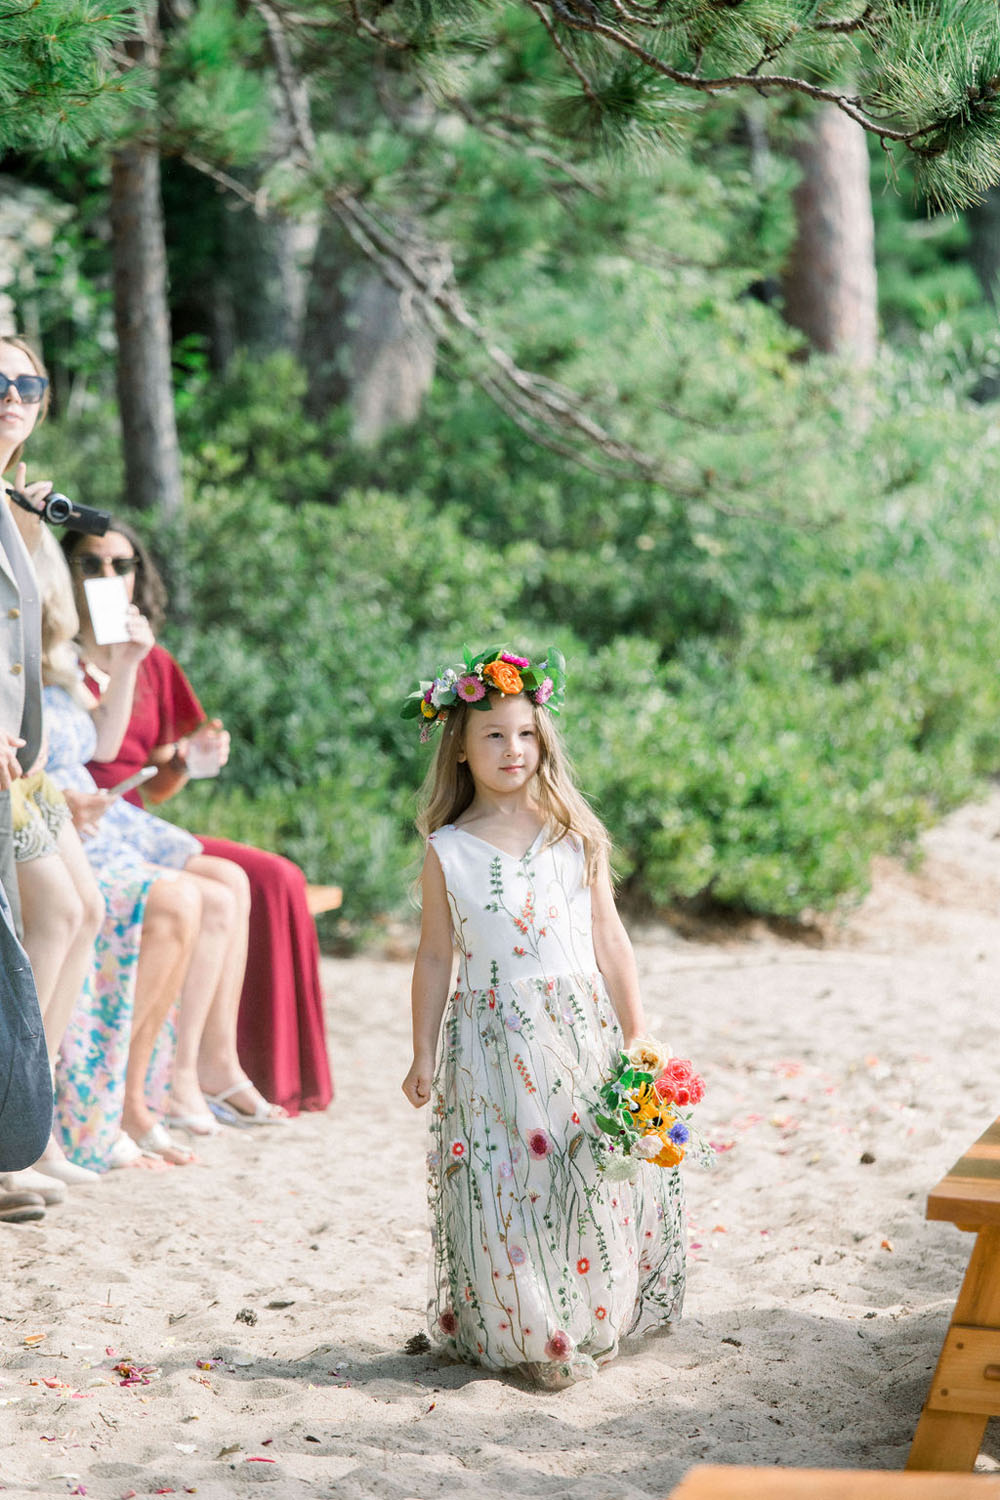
point(644, 1108)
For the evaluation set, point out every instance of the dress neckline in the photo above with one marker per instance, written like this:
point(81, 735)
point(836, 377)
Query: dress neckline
point(517, 858)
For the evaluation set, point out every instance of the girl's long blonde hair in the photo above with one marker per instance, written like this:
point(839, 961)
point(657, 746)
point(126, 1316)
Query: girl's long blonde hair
point(15, 341)
point(60, 621)
point(448, 789)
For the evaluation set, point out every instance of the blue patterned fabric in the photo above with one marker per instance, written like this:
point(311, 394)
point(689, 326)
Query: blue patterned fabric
point(124, 832)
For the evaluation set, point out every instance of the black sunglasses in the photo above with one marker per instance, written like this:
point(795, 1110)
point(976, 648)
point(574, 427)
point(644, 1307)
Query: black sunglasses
point(30, 388)
point(92, 566)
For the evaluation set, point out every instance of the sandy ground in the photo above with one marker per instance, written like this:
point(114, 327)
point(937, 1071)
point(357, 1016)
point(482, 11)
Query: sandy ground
point(266, 1296)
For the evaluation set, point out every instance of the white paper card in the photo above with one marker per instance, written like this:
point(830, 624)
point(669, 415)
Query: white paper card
point(107, 600)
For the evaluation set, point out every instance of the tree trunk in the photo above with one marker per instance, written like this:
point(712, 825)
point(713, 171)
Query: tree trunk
point(142, 319)
point(830, 282)
point(360, 345)
point(265, 280)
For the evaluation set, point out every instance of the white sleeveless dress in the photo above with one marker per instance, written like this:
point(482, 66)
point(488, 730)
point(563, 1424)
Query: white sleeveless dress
point(539, 1262)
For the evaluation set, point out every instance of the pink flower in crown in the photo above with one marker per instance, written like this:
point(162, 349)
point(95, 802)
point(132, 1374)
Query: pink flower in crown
point(543, 692)
point(470, 688)
point(560, 1345)
point(515, 661)
point(540, 1144)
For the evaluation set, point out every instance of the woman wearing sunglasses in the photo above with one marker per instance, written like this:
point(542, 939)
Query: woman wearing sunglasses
point(26, 1109)
point(64, 908)
point(281, 1035)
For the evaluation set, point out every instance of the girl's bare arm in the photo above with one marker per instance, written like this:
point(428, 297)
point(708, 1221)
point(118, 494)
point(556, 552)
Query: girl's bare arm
point(616, 960)
point(431, 980)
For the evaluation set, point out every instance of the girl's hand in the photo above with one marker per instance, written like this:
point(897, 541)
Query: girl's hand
point(139, 644)
point(417, 1083)
point(86, 809)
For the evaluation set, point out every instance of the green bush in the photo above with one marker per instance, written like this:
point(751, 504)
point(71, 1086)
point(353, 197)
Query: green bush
point(756, 708)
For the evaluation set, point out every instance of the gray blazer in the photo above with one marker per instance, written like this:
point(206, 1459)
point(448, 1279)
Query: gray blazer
point(20, 641)
point(25, 1082)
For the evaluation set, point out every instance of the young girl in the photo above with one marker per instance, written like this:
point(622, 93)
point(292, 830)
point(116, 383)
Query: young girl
point(540, 1264)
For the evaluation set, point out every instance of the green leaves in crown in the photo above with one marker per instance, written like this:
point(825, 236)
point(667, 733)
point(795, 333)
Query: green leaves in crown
point(495, 670)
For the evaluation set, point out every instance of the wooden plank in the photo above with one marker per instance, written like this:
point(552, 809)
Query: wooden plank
point(723, 1483)
point(964, 1202)
point(949, 1439)
point(968, 1373)
point(970, 1192)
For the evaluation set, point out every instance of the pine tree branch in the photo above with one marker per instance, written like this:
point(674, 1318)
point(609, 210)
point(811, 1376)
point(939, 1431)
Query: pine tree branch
point(422, 274)
point(489, 127)
point(292, 87)
point(582, 16)
point(844, 28)
point(370, 29)
point(630, 16)
point(255, 200)
point(544, 405)
point(564, 52)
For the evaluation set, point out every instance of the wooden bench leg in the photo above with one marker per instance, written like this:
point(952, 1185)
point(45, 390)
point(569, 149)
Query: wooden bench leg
point(965, 1389)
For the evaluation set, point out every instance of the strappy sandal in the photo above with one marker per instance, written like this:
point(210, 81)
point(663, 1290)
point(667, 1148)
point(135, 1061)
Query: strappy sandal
point(263, 1114)
point(156, 1142)
point(202, 1124)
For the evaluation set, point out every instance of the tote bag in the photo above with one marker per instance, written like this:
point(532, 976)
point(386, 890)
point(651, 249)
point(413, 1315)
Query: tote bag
point(25, 1080)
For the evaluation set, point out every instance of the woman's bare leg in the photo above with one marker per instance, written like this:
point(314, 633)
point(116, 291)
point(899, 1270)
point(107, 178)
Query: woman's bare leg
point(169, 929)
point(206, 1055)
point(76, 966)
point(60, 888)
point(53, 921)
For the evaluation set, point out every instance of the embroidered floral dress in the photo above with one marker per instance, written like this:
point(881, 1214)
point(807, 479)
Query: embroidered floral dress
point(93, 1057)
point(539, 1262)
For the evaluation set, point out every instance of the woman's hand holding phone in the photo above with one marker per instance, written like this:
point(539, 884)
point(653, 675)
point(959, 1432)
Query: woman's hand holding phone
point(136, 779)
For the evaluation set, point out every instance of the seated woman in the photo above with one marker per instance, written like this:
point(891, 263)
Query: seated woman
point(281, 1036)
point(208, 900)
point(62, 911)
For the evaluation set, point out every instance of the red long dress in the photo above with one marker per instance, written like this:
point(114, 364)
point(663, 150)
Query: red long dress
point(281, 1037)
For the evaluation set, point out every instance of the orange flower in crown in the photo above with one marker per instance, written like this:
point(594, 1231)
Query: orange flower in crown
point(504, 674)
point(473, 679)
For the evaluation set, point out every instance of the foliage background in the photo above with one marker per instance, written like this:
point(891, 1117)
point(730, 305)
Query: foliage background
point(782, 659)
point(755, 709)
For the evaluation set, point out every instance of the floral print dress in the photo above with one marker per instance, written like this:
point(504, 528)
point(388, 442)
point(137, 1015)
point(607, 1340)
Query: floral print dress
point(539, 1262)
point(128, 854)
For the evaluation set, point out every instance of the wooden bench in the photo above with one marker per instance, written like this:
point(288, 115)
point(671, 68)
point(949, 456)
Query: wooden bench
point(724, 1483)
point(320, 898)
point(965, 1390)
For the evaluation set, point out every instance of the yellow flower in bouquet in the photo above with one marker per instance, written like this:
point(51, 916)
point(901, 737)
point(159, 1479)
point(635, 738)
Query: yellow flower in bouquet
point(647, 1109)
point(643, 1108)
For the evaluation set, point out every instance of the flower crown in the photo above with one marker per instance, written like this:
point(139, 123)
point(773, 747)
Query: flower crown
point(492, 671)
